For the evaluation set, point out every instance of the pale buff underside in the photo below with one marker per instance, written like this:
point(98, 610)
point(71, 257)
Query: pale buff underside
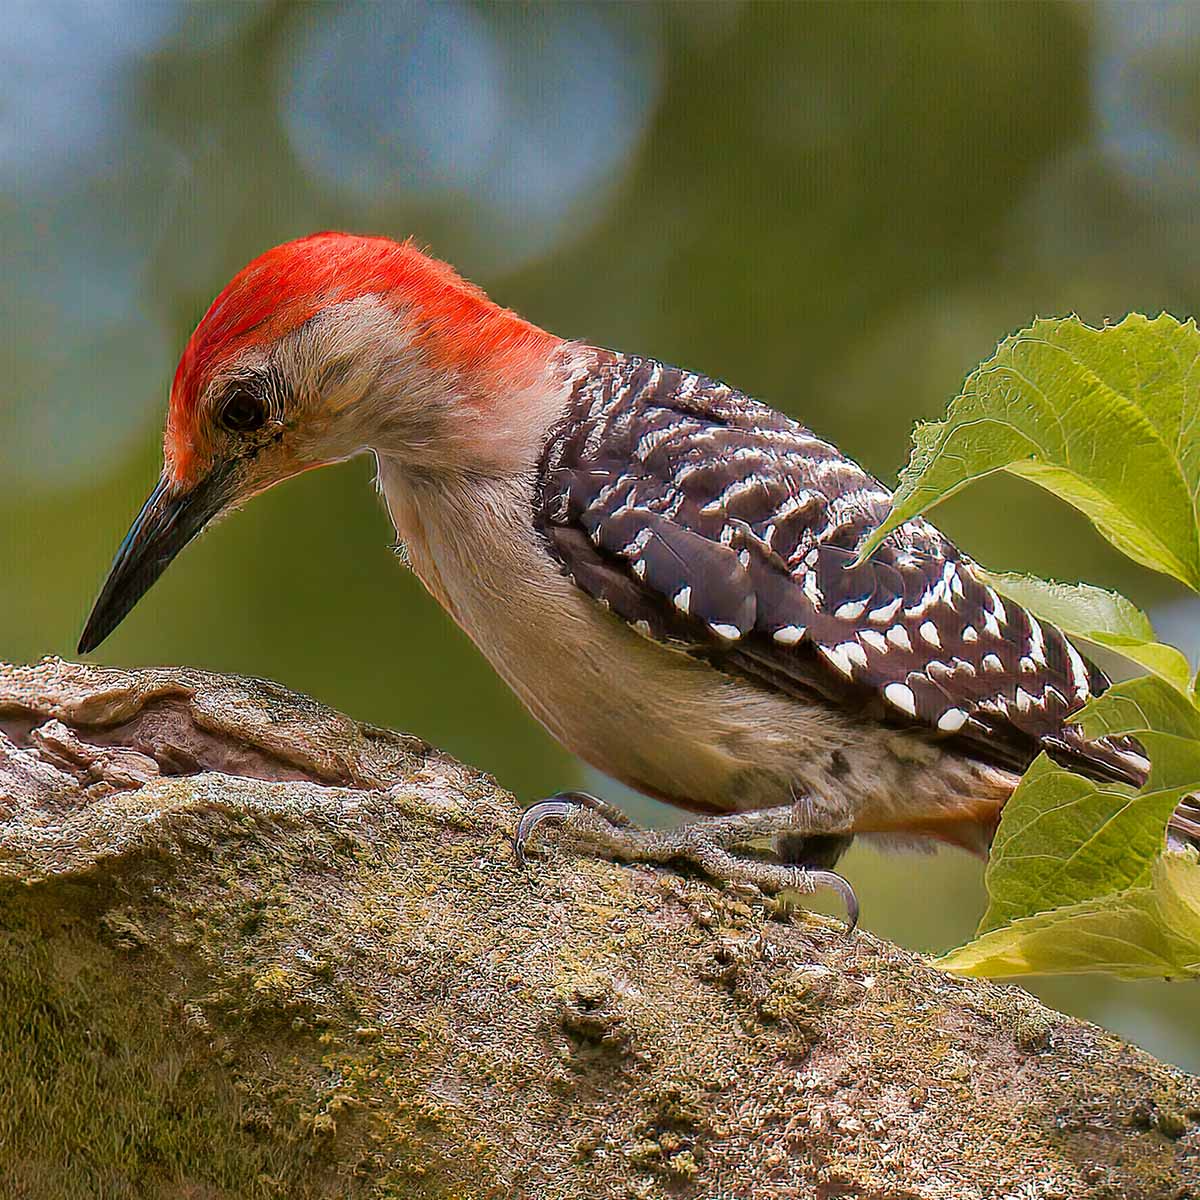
point(653, 717)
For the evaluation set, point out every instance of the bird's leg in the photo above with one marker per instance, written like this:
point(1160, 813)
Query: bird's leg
point(708, 843)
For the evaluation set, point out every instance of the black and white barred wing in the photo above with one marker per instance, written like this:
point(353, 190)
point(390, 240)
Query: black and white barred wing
point(711, 522)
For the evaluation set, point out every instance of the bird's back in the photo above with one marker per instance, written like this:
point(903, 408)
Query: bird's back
point(717, 526)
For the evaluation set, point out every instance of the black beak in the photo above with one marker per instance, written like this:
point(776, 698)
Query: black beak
point(169, 519)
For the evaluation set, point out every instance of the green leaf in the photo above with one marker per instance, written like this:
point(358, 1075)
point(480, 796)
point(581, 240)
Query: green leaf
point(1073, 857)
point(1074, 607)
point(1061, 841)
point(1069, 840)
point(1137, 705)
point(1102, 618)
point(1106, 419)
point(1144, 932)
point(1168, 663)
point(1064, 839)
point(1079, 878)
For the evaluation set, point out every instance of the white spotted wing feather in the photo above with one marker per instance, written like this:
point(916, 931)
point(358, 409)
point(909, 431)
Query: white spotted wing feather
point(711, 522)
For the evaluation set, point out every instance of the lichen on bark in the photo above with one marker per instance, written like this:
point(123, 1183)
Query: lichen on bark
point(252, 948)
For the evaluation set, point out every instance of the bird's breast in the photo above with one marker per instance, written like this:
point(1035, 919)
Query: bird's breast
point(649, 716)
point(646, 714)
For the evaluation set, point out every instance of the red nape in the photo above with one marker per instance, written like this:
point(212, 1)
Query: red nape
point(455, 322)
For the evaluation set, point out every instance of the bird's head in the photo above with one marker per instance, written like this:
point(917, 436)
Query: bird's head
point(317, 350)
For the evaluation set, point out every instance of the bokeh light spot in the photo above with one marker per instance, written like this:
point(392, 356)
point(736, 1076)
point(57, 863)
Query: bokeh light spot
point(525, 117)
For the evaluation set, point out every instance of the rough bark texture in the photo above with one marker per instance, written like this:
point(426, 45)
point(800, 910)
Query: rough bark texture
point(251, 948)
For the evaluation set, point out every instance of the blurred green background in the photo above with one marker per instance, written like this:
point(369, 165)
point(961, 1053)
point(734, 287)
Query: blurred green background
point(841, 209)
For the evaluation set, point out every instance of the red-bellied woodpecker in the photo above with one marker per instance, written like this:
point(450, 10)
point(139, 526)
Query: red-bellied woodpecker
point(659, 566)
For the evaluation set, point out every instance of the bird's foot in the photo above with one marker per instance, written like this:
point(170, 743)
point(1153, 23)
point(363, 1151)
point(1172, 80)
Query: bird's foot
point(707, 843)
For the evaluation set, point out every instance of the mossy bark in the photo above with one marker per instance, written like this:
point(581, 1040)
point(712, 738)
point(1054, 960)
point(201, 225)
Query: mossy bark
point(251, 948)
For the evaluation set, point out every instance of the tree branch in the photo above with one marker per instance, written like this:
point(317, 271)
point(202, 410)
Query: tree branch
point(249, 947)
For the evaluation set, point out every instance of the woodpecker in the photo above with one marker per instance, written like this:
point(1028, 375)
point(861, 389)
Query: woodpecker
point(661, 568)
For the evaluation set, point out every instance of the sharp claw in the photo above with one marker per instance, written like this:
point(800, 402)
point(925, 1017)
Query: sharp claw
point(557, 808)
point(843, 887)
point(561, 805)
point(532, 817)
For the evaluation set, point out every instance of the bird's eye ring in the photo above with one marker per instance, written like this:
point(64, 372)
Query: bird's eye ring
point(242, 412)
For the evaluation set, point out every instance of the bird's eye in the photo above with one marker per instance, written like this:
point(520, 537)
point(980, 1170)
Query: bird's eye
point(242, 412)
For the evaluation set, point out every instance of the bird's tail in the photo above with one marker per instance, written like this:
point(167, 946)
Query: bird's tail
point(1183, 830)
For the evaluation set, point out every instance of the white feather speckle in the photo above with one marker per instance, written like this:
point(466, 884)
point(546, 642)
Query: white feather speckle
point(1037, 641)
point(952, 720)
point(885, 612)
point(683, 600)
point(901, 695)
point(1078, 671)
point(929, 633)
point(938, 671)
point(789, 635)
point(640, 541)
point(844, 656)
point(730, 633)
